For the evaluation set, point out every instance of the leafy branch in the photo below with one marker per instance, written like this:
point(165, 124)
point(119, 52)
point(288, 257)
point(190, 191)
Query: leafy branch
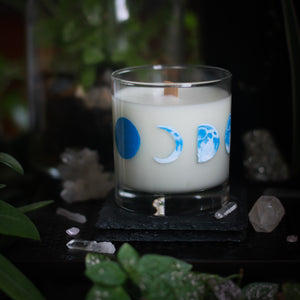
point(14, 222)
point(131, 276)
point(86, 35)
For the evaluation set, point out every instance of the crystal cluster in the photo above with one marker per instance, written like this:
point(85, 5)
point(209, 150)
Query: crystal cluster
point(83, 177)
point(262, 160)
point(266, 213)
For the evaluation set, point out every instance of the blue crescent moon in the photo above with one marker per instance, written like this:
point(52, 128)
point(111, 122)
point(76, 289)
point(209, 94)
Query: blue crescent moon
point(208, 142)
point(178, 146)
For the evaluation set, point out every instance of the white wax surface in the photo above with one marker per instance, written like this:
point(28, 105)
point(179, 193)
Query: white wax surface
point(147, 108)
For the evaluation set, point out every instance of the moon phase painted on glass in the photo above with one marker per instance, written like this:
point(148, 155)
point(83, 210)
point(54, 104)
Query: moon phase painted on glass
point(208, 141)
point(227, 134)
point(178, 145)
point(127, 138)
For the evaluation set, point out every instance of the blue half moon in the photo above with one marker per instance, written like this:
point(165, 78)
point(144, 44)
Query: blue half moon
point(127, 138)
point(227, 134)
point(178, 146)
point(208, 141)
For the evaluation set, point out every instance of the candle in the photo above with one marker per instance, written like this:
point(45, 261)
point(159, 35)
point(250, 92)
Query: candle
point(170, 130)
point(171, 138)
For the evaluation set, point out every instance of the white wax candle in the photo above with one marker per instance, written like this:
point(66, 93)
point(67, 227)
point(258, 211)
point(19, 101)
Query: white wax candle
point(166, 157)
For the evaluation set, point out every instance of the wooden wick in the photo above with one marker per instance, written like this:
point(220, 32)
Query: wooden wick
point(173, 91)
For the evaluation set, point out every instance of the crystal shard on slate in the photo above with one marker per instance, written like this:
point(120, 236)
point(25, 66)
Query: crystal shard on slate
point(73, 231)
point(225, 210)
point(92, 246)
point(77, 217)
point(266, 213)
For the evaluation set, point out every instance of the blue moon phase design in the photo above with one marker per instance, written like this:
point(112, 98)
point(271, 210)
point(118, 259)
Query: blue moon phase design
point(227, 134)
point(178, 146)
point(208, 141)
point(127, 138)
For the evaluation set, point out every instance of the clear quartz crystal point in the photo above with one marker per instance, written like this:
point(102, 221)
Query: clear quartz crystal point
point(266, 213)
point(77, 217)
point(225, 210)
point(91, 246)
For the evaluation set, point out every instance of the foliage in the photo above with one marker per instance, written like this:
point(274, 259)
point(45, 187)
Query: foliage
point(86, 34)
point(151, 276)
point(14, 222)
point(14, 283)
point(13, 108)
point(11, 162)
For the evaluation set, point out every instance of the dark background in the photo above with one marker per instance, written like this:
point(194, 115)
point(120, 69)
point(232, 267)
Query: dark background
point(245, 37)
point(248, 38)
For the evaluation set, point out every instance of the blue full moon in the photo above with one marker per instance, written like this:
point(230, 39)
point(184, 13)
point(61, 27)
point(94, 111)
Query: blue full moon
point(127, 138)
point(227, 134)
point(208, 141)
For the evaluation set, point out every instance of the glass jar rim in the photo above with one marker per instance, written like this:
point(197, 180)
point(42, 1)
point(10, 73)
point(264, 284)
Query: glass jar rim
point(117, 75)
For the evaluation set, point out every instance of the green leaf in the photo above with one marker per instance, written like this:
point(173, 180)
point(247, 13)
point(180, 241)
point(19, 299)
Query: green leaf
point(128, 259)
point(94, 259)
point(2, 186)
point(13, 222)
point(70, 31)
point(11, 162)
point(107, 273)
point(37, 205)
point(260, 291)
point(93, 11)
point(156, 272)
point(88, 76)
point(15, 284)
point(190, 20)
point(185, 287)
point(155, 265)
point(107, 293)
point(159, 289)
point(291, 291)
point(92, 55)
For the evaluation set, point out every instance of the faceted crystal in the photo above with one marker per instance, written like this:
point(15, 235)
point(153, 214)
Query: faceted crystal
point(72, 231)
point(266, 213)
point(77, 217)
point(225, 210)
point(92, 246)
